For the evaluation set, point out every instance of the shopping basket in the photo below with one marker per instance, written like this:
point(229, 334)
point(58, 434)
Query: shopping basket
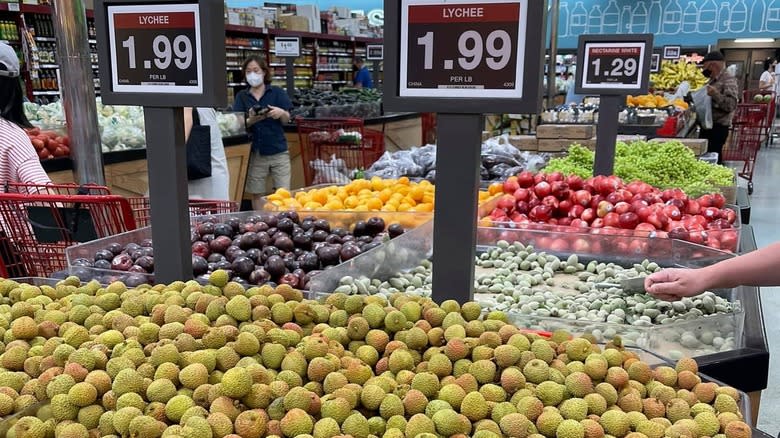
point(198, 207)
point(36, 228)
point(770, 106)
point(333, 149)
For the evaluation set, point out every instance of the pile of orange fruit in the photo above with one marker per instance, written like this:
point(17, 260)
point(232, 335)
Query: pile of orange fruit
point(375, 194)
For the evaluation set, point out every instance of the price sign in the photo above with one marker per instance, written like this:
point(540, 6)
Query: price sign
point(375, 52)
point(155, 49)
point(463, 48)
point(288, 46)
point(616, 66)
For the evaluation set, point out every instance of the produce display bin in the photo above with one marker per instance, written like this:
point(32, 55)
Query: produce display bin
point(409, 220)
point(408, 251)
point(487, 207)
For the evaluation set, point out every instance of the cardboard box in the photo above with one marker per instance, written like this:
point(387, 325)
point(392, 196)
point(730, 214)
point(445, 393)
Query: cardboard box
point(562, 144)
point(630, 138)
point(524, 142)
point(295, 23)
point(697, 145)
point(581, 132)
point(311, 13)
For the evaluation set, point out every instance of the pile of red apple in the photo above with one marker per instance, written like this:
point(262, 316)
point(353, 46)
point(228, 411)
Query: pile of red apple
point(49, 144)
point(606, 205)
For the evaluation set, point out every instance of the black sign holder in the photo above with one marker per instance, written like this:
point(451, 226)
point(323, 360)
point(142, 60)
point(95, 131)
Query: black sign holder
point(610, 97)
point(460, 124)
point(375, 53)
point(164, 120)
point(289, 63)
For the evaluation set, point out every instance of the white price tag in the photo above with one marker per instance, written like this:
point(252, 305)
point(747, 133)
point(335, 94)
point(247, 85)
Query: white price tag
point(288, 46)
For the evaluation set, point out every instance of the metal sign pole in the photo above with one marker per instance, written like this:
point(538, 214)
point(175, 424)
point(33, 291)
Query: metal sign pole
point(606, 134)
point(166, 155)
point(455, 219)
point(290, 64)
point(377, 64)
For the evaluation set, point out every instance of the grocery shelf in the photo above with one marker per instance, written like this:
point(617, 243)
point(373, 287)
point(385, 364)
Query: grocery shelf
point(45, 39)
point(277, 64)
point(236, 84)
point(258, 49)
point(343, 54)
point(48, 66)
point(46, 93)
point(92, 41)
point(334, 69)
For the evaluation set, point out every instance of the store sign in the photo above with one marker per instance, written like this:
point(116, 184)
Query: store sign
point(463, 48)
point(614, 64)
point(287, 46)
point(375, 52)
point(155, 49)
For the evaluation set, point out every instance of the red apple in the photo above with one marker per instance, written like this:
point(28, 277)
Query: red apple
point(201, 248)
point(718, 200)
point(541, 213)
point(693, 207)
point(522, 207)
point(677, 202)
point(645, 227)
point(565, 206)
point(542, 189)
point(559, 245)
point(560, 190)
point(582, 197)
point(576, 211)
point(612, 219)
point(706, 201)
point(604, 208)
point(506, 203)
point(511, 185)
point(575, 182)
point(539, 177)
point(525, 179)
point(710, 213)
point(622, 207)
point(614, 197)
point(588, 215)
point(522, 194)
point(628, 220)
point(643, 213)
point(555, 176)
point(672, 212)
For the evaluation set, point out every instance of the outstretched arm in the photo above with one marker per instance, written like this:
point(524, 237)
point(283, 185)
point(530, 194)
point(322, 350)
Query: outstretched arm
point(757, 268)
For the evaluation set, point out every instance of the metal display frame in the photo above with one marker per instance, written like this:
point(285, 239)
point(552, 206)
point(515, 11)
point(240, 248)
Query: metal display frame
point(460, 123)
point(164, 120)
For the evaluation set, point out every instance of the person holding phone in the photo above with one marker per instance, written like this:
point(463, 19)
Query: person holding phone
point(267, 110)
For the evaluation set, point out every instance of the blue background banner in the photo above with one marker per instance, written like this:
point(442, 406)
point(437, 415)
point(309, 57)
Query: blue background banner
point(688, 23)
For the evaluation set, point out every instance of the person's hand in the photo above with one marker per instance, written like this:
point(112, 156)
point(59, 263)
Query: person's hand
point(253, 117)
point(711, 91)
point(275, 112)
point(674, 284)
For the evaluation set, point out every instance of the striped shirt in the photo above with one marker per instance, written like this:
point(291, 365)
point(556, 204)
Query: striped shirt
point(18, 161)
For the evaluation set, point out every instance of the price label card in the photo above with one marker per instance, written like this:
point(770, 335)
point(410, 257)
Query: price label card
point(155, 48)
point(287, 46)
point(618, 66)
point(462, 48)
point(375, 52)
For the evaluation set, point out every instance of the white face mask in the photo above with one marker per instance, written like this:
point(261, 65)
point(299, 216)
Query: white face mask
point(254, 79)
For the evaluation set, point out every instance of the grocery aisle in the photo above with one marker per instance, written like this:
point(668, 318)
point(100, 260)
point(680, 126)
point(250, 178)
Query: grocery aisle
point(764, 210)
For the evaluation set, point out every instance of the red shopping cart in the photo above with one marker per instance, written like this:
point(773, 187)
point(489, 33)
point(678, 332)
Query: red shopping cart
point(333, 149)
point(748, 133)
point(769, 99)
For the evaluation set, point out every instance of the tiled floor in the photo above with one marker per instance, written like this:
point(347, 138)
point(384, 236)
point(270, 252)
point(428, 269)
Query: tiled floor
point(764, 219)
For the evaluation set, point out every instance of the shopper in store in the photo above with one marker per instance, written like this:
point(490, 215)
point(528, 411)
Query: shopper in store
point(723, 90)
point(362, 75)
point(215, 187)
point(767, 81)
point(757, 268)
point(267, 110)
point(18, 160)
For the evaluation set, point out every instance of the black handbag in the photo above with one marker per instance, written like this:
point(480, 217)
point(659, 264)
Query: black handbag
point(198, 149)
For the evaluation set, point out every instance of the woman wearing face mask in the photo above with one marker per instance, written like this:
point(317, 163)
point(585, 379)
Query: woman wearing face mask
point(267, 110)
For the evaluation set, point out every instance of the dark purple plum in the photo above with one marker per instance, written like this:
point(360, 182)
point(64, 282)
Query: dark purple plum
point(223, 230)
point(285, 225)
point(136, 268)
point(299, 252)
point(370, 246)
point(122, 262)
point(249, 240)
point(319, 235)
point(199, 265)
point(115, 248)
point(132, 246)
point(302, 241)
point(215, 258)
point(201, 248)
point(349, 251)
point(220, 244)
point(206, 228)
point(243, 266)
point(82, 262)
point(395, 230)
point(290, 279)
point(359, 229)
point(284, 243)
point(255, 254)
point(332, 238)
point(135, 280)
point(259, 276)
point(104, 254)
point(232, 255)
point(261, 227)
point(148, 251)
point(271, 220)
point(322, 224)
point(375, 225)
point(328, 255)
point(224, 264)
point(309, 261)
point(234, 223)
point(290, 214)
point(270, 251)
point(146, 243)
point(146, 262)
point(341, 232)
point(208, 238)
point(265, 239)
point(275, 266)
point(102, 264)
point(307, 225)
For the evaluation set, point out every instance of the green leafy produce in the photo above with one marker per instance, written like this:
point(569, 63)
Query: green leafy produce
point(663, 165)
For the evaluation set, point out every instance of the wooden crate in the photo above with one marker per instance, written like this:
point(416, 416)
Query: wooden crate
point(577, 132)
